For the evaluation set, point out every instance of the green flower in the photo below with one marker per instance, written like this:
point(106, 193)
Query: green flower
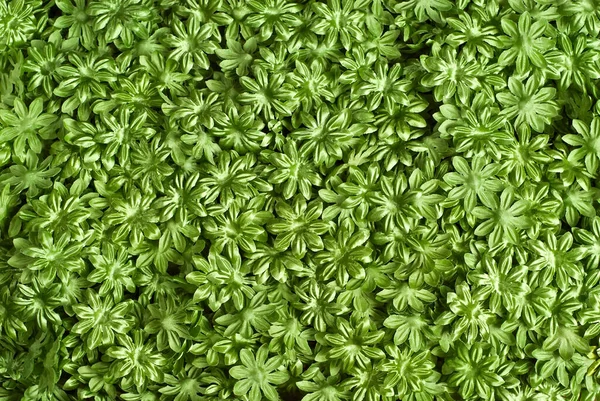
point(167, 323)
point(590, 240)
point(77, 18)
point(232, 175)
point(504, 284)
point(322, 388)
point(61, 210)
point(32, 176)
point(8, 201)
point(136, 359)
point(318, 304)
point(383, 84)
point(328, 135)
point(557, 261)
point(136, 95)
point(119, 19)
point(241, 131)
point(425, 9)
point(237, 57)
point(394, 203)
point(258, 374)
point(293, 171)
point(477, 130)
point(412, 328)
point(49, 255)
point(407, 294)
point(190, 44)
point(468, 312)
point(575, 62)
point(581, 15)
point(10, 315)
point(526, 156)
point(502, 218)
point(272, 15)
point(472, 181)
point(343, 255)
point(450, 75)
point(402, 119)
point(119, 135)
point(26, 126)
point(237, 230)
point(39, 302)
point(473, 33)
point(353, 344)
point(524, 42)
point(164, 72)
point(133, 218)
point(184, 386)
point(529, 104)
point(588, 143)
point(412, 375)
point(266, 94)
point(100, 319)
point(44, 62)
point(83, 82)
point(17, 22)
point(472, 370)
point(289, 334)
point(113, 269)
point(312, 85)
point(298, 226)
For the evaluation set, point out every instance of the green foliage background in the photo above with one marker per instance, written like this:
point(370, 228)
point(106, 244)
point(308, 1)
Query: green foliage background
point(300, 200)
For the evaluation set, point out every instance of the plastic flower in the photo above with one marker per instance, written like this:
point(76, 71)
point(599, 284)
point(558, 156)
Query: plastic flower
point(167, 322)
point(266, 95)
point(83, 82)
point(328, 135)
point(33, 176)
point(470, 314)
point(45, 62)
point(312, 85)
point(241, 131)
point(556, 260)
point(343, 255)
point(49, 256)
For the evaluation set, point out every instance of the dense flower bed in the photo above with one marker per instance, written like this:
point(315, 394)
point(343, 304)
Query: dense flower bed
point(307, 200)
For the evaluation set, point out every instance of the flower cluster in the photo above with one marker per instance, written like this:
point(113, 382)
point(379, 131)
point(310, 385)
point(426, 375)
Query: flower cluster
point(316, 200)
